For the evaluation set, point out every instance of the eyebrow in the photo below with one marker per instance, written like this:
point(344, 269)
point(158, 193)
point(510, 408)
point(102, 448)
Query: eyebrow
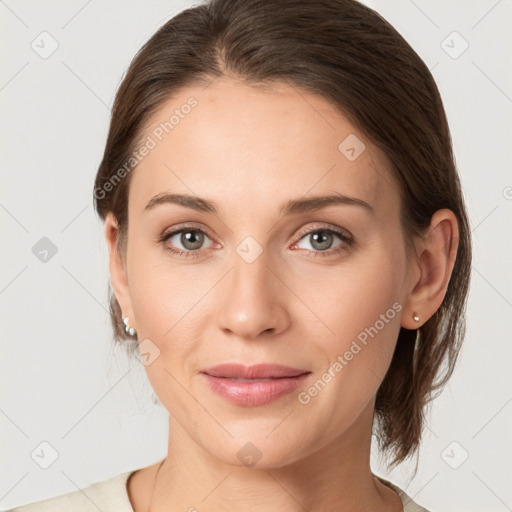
point(293, 206)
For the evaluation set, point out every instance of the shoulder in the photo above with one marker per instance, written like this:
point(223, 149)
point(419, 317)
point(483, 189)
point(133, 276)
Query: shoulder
point(107, 495)
point(409, 504)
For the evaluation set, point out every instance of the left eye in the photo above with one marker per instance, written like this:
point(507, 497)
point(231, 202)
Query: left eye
point(321, 240)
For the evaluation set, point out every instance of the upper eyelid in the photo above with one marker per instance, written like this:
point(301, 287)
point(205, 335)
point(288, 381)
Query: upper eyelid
point(183, 227)
point(325, 227)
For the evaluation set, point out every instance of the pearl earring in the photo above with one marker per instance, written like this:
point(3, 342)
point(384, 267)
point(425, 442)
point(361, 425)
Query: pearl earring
point(130, 330)
point(415, 317)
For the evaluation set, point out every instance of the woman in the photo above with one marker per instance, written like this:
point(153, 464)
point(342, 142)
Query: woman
point(289, 247)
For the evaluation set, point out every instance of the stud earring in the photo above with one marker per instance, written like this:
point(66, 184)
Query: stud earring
point(415, 317)
point(130, 330)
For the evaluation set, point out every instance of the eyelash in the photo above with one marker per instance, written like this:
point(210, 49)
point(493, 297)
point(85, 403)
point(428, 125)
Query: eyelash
point(345, 238)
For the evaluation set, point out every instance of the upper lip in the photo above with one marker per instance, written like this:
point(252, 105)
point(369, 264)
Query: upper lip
point(256, 371)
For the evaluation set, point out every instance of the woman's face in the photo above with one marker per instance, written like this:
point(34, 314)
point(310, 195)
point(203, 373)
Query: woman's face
point(321, 290)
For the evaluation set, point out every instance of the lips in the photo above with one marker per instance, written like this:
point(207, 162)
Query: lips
point(255, 372)
point(254, 385)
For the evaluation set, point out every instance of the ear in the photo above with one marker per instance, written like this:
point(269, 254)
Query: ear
point(436, 253)
point(117, 268)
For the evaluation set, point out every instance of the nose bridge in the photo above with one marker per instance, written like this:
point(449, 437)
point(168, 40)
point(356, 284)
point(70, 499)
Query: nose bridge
point(250, 264)
point(251, 275)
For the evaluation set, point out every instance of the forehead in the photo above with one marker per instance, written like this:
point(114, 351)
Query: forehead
point(230, 140)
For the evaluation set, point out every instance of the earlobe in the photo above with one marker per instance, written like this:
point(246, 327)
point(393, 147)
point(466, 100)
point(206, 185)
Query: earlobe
point(436, 259)
point(117, 268)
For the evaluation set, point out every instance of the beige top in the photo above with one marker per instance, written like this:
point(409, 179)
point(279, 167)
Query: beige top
point(111, 495)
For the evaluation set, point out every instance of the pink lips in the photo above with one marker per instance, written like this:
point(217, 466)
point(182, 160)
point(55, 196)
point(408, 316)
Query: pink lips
point(253, 385)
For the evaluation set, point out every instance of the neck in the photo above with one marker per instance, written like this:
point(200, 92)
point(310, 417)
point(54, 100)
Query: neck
point(335, 477)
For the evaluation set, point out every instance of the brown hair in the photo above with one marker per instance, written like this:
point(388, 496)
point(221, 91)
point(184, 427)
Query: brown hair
point(347, 53)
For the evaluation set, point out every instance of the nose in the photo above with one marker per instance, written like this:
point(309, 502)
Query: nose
point(253, 299)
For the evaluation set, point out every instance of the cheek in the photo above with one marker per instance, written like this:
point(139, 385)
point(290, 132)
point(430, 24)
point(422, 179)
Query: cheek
point(352, 296)
point(163, 295)
point(165, 298)
point(364, 317)
point(360, 308)
point(170, 302)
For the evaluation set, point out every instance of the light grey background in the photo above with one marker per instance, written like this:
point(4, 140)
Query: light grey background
point(62, 384)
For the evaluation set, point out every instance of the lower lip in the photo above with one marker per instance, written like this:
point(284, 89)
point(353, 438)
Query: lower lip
point(257, 392)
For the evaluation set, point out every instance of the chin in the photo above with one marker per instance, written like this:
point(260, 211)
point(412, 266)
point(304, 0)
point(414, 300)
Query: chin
point(256, 451)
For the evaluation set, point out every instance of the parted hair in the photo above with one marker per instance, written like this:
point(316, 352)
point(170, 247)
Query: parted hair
point(347, 53)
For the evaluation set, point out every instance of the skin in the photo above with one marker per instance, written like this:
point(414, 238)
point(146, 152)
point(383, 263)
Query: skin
point(250, 150)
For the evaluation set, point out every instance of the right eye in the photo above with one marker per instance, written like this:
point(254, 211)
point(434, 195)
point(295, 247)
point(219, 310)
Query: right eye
point(190, 238)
